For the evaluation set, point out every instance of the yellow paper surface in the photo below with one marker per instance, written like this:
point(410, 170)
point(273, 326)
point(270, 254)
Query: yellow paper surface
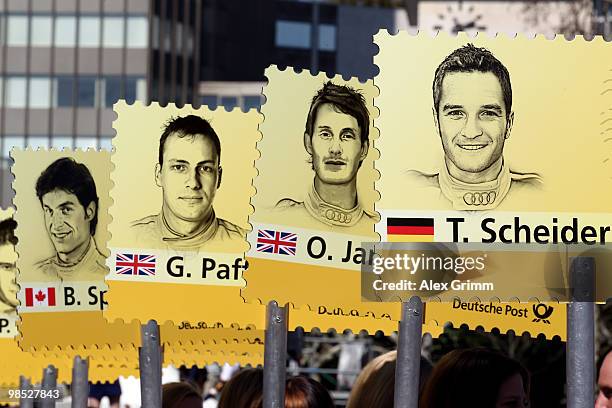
point(180, 289)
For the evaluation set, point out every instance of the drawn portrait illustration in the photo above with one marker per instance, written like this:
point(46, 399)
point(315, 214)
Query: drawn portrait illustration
point(472, 110)
point(336, 139)
point(189, 173)
point(8, 266)
point(316, 170)
point(478, 124)
point(63, 215)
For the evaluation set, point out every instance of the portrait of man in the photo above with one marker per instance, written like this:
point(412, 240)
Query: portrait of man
point(8, 269)
point(67, 194)
point(472, 109)
point(189, 173)
point(336, 139)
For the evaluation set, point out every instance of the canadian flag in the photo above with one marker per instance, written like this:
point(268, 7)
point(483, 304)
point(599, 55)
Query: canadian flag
point(40, 297)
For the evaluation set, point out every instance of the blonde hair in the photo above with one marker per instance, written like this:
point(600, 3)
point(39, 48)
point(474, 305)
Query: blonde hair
point(375, 384)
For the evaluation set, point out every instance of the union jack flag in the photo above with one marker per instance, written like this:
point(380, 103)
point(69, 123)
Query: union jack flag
point(134, 264)
point(276, 242)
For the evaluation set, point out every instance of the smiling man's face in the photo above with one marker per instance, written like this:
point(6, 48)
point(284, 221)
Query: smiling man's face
point(189, 176)
point(472, 120)
point(335, 145)
point(66, 220)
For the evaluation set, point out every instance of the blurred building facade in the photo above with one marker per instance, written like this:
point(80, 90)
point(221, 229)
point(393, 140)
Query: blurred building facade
point(64, 63)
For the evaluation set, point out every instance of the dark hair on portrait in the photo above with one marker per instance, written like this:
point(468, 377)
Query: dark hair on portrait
point(346, 100)
point(74, 178)
point(470, 378)
point(7, 232)
point(473, 59)
point(189, 125)
point(304, 392)
point(603, 353)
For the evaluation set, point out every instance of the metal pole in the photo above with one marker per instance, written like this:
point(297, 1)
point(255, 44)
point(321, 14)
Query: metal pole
point(80, 383)
point(25, 385)
point(150, 358)
point(275, 356)
point(408, 365)
point(580, 360)
point(49, 383)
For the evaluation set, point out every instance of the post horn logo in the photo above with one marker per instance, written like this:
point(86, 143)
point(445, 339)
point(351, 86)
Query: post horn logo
point(542, 312)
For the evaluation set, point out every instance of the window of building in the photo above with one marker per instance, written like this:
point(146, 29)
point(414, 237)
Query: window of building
point(210, 101)
point(38, 141)
point(113, 32)
point(106, 143)
point(84, 142)
point(292, 34)
point(1, 91)
point(86, 96)
point(2, 29)
point(12, 141)
point(112, 90)
point(229, 102)
point(89, 31)
point(327, 37)
point(141, 89)
point(42, 27)
point(65, 31)
point(17, 34)
point(137, 32)
point(130, 90)
point(15, 93)
point(64, 91)
point(62, 142)
point(252, 102)
point(40, 93)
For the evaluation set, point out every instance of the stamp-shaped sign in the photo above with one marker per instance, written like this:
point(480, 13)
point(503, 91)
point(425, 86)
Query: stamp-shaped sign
point(501, 140)
point(62, 212)
point(8, 272)
point(315, 193)
point(182, 184)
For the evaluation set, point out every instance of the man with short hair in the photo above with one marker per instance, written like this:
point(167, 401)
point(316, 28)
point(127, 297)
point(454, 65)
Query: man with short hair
point(336, 138)
point(189, 174)
point(604, 382)
point(8, 259)
point(473, 116)
point(67, 193)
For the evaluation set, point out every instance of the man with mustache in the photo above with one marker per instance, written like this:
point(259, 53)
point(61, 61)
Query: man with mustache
point(473, 116)
point(189, 174)
point(336, 138)
point(67, 193)
point(8, 269)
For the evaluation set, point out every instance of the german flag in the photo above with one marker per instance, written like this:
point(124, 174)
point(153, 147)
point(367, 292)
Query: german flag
point(410, 229)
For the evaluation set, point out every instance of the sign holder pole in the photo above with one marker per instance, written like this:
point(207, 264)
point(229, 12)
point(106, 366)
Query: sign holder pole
point(150, 359)
point(80, 383)
point(24, 386)
point(580, 352)
point(49, 383)
point(275, 356)
point(408, 363)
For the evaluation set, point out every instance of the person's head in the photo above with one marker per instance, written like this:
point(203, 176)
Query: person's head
point(477, 378)
point(67, 192)
point(375, 385)
point(604, 381)
point(8, 258)
point(180, 395)
point(188, 168)
point(472, 98)
point(244, 390)
point(304, 392)
point(337, 132)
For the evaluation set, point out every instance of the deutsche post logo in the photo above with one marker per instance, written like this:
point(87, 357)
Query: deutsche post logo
point(542, 312)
